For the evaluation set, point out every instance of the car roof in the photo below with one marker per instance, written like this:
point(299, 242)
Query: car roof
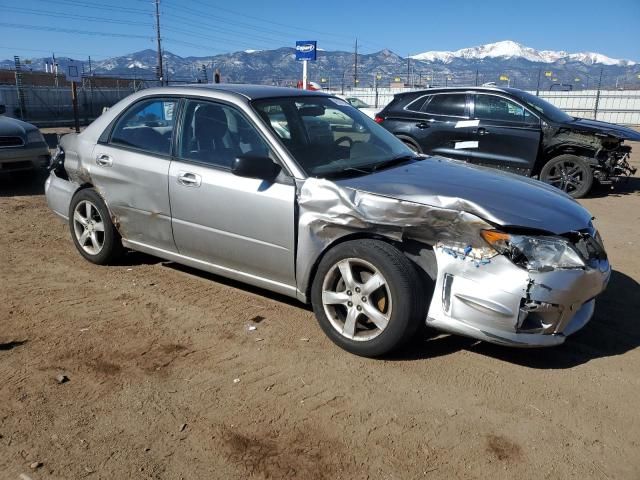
point(507, 90)
point(251, 92)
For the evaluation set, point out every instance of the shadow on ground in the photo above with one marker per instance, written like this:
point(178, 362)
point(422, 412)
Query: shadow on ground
point(614, 330)
point(625, 186)
point(20, 184)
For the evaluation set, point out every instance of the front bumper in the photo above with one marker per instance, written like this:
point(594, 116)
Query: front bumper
point(498, 302)
point(24, 158)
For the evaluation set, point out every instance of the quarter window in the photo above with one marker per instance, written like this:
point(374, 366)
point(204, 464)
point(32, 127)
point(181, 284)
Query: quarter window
point(446, 105)
point(491, 107)
point(216, 134)
point(148, 126)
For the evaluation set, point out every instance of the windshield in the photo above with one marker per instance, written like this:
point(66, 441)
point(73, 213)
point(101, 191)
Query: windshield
point(550, 111)
point(330, 138)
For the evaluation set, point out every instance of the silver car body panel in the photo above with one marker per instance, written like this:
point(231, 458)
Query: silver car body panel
point(273, 234)
point(135, 186)
point(58, 193)
point(240, 223)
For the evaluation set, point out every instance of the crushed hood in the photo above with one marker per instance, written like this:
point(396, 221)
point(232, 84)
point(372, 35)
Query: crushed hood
point(498, 197)
point(596, 126)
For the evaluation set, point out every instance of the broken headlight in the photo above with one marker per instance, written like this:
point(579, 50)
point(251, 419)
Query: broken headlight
point(539, 253)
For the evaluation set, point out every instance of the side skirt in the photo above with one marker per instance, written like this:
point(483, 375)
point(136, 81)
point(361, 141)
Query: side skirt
point(226, 272)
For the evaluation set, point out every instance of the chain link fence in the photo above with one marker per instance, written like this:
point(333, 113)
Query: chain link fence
point(46, 100)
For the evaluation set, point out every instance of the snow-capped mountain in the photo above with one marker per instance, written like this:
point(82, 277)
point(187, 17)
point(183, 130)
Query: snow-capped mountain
point(509, 49)
point(468, 66)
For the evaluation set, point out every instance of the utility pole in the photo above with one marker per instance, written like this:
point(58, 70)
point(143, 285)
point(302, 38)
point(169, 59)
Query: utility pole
point(160, 69)
point(408, 71)
point(355, 66)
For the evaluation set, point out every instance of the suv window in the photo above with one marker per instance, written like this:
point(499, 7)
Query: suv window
point(216, 134)
point(491, 107)
point(451, 105)
point(147, 125)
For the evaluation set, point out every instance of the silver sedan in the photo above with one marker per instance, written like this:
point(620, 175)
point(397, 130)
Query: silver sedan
point(258, 184)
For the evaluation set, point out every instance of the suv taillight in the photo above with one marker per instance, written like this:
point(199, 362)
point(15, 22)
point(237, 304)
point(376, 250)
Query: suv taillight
point(378, 119)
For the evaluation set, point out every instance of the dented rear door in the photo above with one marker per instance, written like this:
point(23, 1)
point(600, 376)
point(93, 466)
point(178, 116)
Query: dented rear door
point(131, 172)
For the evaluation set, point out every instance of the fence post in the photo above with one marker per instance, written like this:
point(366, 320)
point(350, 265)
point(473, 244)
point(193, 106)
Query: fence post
point(595, 108)
point(538, 85)
point(376, 85)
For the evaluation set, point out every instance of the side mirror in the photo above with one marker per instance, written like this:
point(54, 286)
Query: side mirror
point(255, 166)
point(3, 109)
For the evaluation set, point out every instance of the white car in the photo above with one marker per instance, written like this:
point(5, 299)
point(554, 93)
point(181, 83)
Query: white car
point(364, 107)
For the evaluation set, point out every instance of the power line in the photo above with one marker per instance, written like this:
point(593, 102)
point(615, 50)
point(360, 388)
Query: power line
point(75, 17)
point(70, 30)
point(81, 4)
point(248, 26)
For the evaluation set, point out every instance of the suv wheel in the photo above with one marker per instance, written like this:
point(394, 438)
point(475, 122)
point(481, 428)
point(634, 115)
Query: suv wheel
point(569, 173)
point(92, 231)
point(367, 297)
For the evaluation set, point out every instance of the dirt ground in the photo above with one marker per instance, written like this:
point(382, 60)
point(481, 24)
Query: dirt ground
point(166, 381)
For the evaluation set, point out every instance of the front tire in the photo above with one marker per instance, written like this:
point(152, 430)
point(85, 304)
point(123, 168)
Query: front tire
point(569, 173)
point(367, 297)
point(92, 231)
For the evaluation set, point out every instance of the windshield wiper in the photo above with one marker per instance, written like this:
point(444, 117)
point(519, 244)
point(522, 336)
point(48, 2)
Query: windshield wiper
point(394, 161)
point(348, 171)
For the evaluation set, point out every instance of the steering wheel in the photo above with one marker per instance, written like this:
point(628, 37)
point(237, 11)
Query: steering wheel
point(338, 141)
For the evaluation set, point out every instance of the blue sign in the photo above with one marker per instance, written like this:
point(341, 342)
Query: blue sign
point(306, 50)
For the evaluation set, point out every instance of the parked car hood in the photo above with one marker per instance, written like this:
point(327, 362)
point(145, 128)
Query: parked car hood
point(12, 127)
point(500, 198)
point(596, 126)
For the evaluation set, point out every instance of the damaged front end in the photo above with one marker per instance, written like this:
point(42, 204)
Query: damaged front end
point(520, 297)
point(611, 162)
point(604, 150)
point(507, 287)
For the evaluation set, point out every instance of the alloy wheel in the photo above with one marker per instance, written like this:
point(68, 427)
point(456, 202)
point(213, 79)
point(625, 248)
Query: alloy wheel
point(88, 227)
point(356, 299)
point(567, 175)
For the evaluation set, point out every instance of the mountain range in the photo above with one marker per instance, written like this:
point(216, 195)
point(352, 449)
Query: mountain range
point(500, 62)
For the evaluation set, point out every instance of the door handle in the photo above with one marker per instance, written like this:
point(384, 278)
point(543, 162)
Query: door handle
point(483, 131)
point(189, 179)
point(104, 160)
point(422, 125)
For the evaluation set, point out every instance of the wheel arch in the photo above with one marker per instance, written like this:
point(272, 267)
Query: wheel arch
point(564, 149)
point(409, 139)
point(425, 267)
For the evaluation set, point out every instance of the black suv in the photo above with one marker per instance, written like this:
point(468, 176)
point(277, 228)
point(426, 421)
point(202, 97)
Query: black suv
point(512, 130)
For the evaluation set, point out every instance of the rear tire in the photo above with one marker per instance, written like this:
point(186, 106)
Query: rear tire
point(412, 146)
point(569, 173)
point(92, 231)
point(368, 297)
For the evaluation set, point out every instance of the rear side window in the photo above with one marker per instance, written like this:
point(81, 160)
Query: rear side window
point(416, 105)
point(147, 126)
point(450, 105)
point(491, 107)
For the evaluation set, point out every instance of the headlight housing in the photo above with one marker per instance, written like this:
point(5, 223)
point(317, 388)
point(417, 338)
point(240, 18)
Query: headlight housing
point(539, 253)
point(34, 136)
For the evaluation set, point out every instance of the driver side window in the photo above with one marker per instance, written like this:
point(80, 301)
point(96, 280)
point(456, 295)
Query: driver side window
point(216, 134)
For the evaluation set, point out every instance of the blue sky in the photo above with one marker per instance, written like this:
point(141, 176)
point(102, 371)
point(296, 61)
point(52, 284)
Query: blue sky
point(32, 28)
